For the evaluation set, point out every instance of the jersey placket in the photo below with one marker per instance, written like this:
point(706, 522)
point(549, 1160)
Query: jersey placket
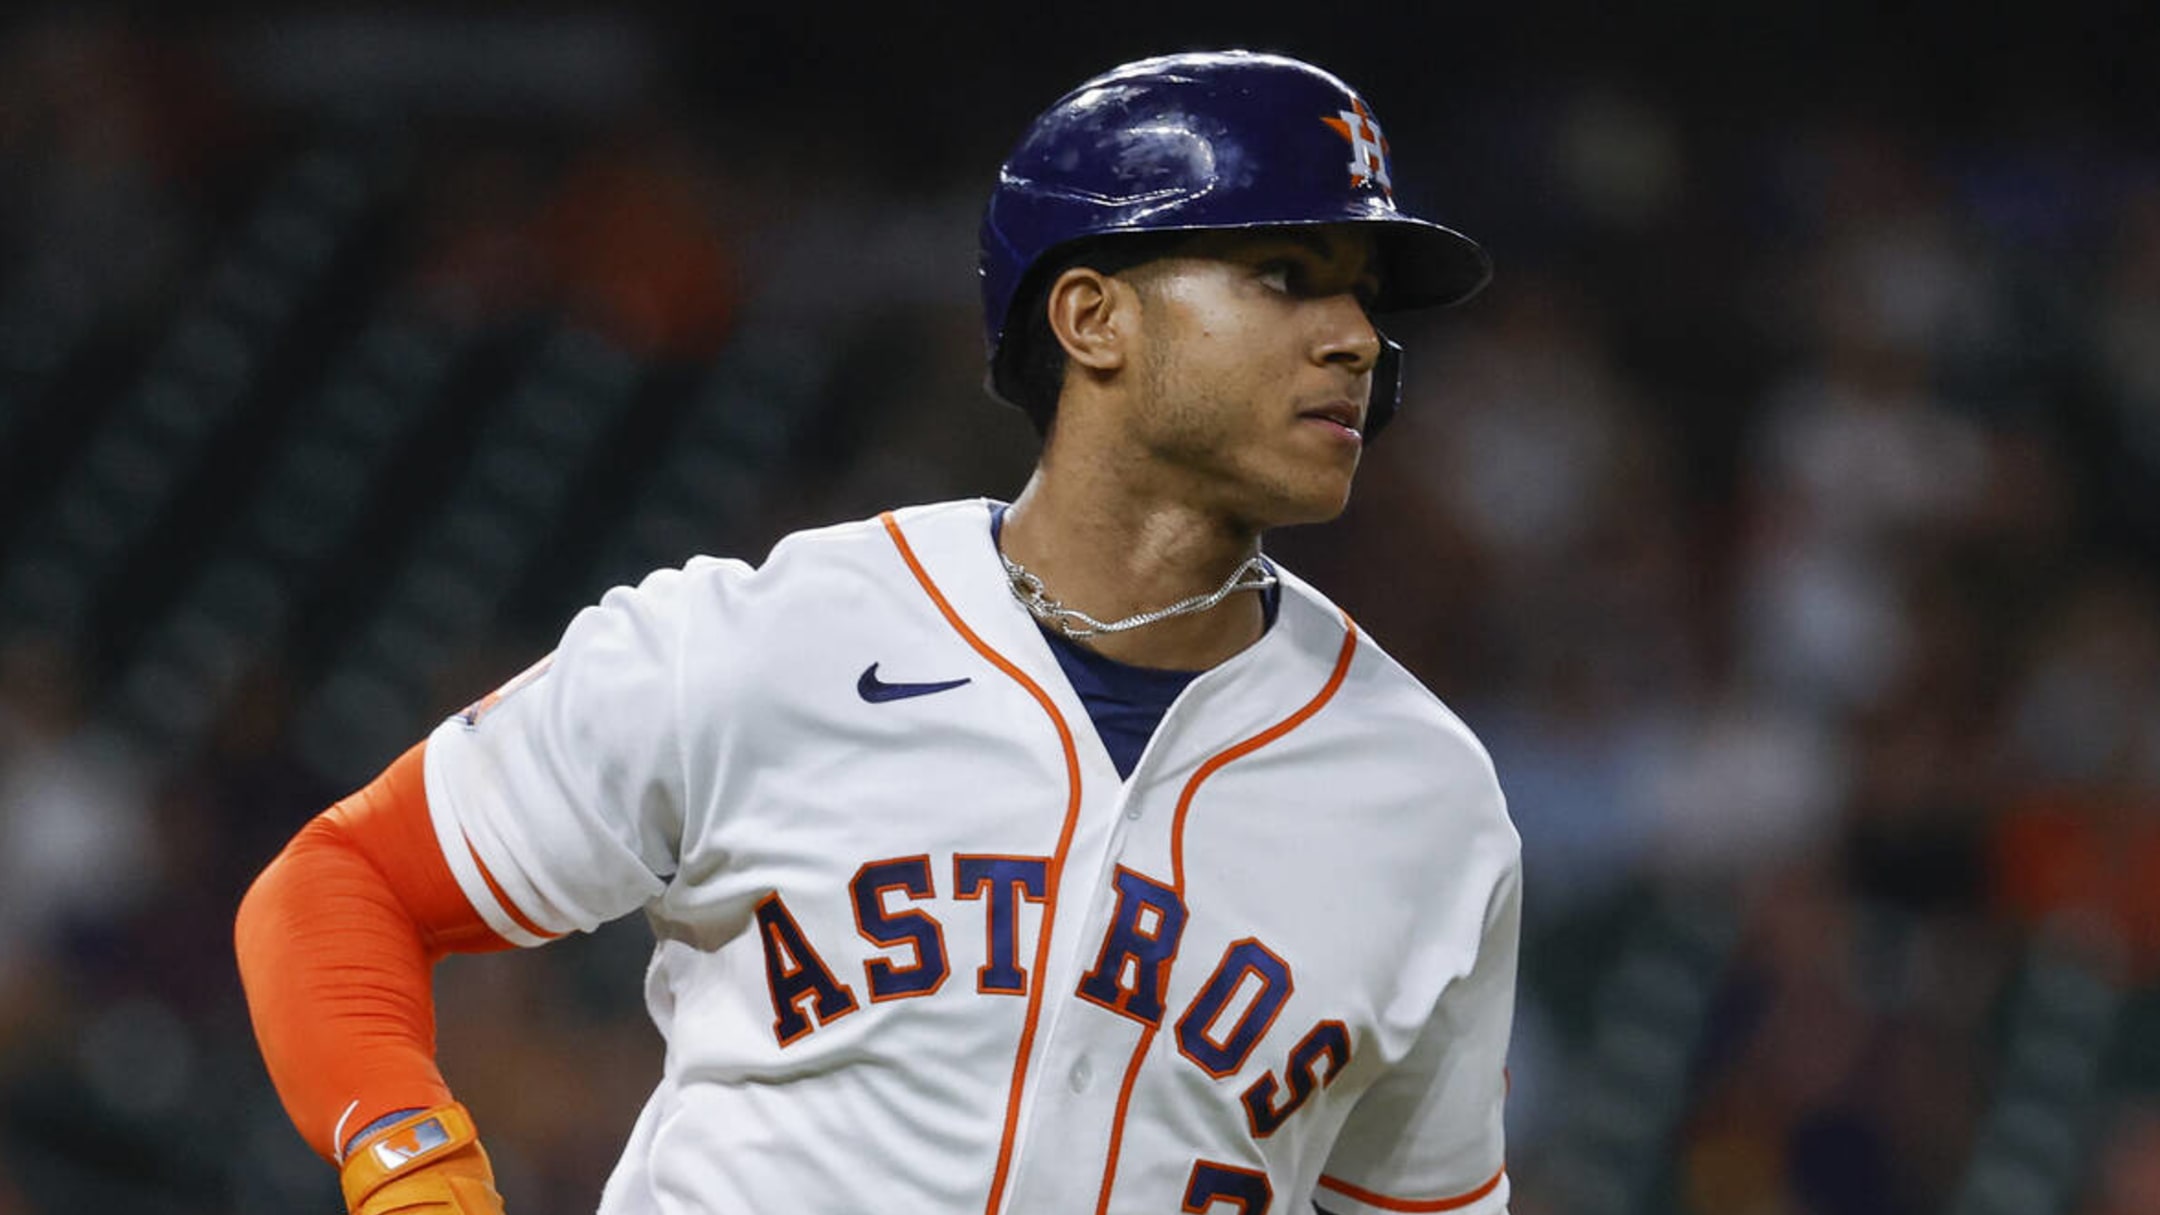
point(1089, 1056)
point(1070, 1102)
point(1082, 1058)
point(1082, 1053)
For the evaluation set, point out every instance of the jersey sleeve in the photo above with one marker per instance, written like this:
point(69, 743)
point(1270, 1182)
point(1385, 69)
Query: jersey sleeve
point(558, 799)
point(1428, 1136)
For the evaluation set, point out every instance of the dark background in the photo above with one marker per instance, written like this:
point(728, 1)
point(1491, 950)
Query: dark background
point(1785, 518)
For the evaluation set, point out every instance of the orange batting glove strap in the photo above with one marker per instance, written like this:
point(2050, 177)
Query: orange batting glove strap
point(428, 1164)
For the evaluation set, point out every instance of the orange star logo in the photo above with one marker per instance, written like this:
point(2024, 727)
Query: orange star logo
point(1368, 147)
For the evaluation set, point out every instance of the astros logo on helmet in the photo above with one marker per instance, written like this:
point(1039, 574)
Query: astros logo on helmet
point(1368, 148)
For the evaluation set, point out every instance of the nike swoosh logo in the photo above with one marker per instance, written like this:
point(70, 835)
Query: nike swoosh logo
point(877, 691)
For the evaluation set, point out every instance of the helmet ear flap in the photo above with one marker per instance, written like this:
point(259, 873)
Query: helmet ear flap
point(1386, 386)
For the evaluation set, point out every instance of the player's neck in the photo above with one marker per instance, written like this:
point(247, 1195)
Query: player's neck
point(1112, 554)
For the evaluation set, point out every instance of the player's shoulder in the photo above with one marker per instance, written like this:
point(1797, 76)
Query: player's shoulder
point(841, 550)
point(1389, 707)
point(842, 541)
point(860, 561)
point(1380, 685)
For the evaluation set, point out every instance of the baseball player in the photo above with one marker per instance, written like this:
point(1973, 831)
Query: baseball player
point(1059, 856)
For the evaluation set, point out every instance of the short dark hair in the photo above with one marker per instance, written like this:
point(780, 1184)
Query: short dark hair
point(1031, 362)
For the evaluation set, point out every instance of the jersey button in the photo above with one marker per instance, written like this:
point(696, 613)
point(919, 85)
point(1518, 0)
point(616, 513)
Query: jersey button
point(1133, 811)
point(1082, 1075)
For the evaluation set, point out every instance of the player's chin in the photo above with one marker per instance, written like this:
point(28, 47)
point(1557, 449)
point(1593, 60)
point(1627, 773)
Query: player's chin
point(1317, 496)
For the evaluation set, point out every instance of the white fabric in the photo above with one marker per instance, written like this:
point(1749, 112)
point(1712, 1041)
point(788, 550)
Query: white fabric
point(698, 745)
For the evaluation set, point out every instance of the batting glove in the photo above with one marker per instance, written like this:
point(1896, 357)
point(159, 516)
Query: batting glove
point(428, 1164)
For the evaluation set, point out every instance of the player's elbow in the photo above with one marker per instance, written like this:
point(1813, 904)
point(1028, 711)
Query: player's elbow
point(264, 914)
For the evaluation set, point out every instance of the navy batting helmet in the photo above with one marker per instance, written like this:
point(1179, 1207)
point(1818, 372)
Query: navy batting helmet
point(1200, 142)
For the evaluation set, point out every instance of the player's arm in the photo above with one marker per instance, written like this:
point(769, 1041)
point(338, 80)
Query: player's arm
point(1427, 1136)
point(551, 806)
point(336, 942)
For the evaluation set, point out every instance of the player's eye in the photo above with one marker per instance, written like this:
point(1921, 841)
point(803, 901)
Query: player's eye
point(1299, 277)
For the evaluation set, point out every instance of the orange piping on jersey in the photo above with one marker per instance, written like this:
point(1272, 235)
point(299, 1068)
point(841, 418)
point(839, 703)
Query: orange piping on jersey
point(1385, 1203)
point(503, 900)
point(1177, 864)
point(1057, 860)
point(1117, 1121)
point(1250, 745)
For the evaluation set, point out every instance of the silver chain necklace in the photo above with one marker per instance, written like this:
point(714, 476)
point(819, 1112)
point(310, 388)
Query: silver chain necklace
point(1251, 575)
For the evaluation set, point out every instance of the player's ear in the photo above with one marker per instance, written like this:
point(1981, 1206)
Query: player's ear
point(1093, 316)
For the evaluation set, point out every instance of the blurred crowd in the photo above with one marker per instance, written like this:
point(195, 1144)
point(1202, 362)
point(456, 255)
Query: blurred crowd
point(1785, 518)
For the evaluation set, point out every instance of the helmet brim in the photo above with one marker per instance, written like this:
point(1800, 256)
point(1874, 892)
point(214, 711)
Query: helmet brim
point(1425, 265)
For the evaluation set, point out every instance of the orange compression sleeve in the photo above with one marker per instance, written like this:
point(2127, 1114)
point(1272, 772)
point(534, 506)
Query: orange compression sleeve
point(336, 941)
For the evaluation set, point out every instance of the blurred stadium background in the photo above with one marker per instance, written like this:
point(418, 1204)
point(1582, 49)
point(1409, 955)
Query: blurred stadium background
point(1786, 518)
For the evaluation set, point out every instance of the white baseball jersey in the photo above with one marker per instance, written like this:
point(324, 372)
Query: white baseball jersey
point(920, 950)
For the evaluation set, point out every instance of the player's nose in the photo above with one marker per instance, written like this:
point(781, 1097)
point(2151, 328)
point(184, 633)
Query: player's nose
point(1345, 335)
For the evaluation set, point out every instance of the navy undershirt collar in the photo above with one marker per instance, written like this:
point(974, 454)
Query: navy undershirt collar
point(1125, 702)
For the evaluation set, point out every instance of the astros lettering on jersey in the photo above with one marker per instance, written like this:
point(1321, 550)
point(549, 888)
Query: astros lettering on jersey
point(921, 950)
